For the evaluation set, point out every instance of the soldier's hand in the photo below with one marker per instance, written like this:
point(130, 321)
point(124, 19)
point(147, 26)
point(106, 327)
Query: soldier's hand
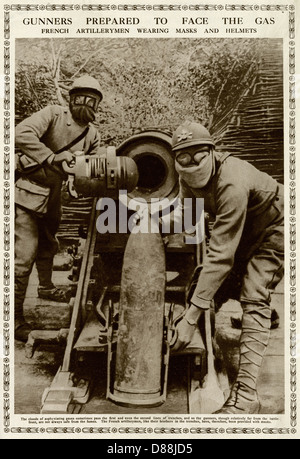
point(64, 156)
point(186, 328)
point(184, 333)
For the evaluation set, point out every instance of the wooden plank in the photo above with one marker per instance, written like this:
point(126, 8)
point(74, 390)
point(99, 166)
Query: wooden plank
point(47, 315)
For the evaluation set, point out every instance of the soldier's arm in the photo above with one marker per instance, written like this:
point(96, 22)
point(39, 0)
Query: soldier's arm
point(29, 132)
point(225, 237)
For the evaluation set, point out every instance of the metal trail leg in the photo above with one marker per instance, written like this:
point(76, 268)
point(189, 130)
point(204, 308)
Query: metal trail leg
point(65, 390)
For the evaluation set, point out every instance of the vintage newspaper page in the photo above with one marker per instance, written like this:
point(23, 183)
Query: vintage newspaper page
point(231, 66)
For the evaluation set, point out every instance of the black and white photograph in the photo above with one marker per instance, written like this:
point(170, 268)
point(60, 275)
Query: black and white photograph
point(149, 221)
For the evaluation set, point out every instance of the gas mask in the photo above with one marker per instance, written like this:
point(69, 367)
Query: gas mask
point(83, 106)
point(196, 168)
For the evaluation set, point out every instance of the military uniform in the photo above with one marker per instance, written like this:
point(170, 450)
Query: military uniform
point(247, 207)
point(37, 138)
point(247, 237)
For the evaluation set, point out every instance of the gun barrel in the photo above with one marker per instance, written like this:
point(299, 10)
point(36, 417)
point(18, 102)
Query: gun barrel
point(151, 150)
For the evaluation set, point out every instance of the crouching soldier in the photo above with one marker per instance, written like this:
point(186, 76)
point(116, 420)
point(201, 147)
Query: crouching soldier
point(44, 141)
point(248, 232)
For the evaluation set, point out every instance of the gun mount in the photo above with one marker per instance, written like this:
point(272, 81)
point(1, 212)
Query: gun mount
point(129, 293)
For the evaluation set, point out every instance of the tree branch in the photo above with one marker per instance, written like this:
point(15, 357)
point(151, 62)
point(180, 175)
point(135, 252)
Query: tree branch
point(56, 58)
point(84, 64)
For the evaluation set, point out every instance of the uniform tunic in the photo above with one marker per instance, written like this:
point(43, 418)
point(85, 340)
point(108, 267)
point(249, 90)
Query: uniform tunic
point(49, 130)
point(248, 229)
point(38, 137)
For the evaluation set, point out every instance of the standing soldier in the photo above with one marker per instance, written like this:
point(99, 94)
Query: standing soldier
point(248, 232)
point(45, 140)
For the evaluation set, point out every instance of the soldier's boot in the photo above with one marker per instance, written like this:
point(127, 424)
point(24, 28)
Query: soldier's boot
point(243, 398)
point(54, 293)
point(47, 290)
point(22, 328)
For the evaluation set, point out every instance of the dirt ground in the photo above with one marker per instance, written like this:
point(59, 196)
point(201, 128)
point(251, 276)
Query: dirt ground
point(33, 375)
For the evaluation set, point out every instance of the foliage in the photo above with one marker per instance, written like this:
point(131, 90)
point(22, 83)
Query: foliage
point(146, 82)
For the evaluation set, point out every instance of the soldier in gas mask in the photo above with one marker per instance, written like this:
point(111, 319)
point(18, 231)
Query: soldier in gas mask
point(248, 233)
point(44, 141)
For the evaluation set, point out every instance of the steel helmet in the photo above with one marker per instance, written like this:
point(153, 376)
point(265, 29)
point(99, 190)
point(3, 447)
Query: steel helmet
point(189, 134)
point(86, 82)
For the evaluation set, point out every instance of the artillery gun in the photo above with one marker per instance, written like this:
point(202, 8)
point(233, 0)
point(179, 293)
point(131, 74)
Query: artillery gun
point(130, 288)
